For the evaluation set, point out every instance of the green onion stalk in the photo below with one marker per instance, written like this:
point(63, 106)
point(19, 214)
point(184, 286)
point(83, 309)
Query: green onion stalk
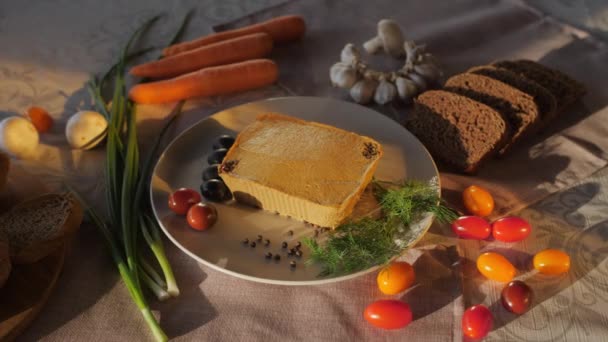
point(126, 180)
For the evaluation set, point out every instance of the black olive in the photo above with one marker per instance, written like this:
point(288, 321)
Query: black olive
point(211, 172)
point(223, 141)
point(215, 190)
point(217, 156)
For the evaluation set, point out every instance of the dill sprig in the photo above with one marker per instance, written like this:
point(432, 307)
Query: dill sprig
point(358, 245)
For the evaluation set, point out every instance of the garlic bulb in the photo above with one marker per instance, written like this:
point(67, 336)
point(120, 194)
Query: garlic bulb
point(429, 71)
point(406, 88)
point(18, 137)
point(385, 92)
point(343, 75)
point(86, 129)
point(363, 91)
point(350, 54)
point(421, 84)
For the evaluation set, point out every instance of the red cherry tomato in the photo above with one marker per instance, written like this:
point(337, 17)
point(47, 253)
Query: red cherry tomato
point(395, 278)
point(511, 229)
point(478, 201)
point(182, 199)
point(477, 322)
point(201, 216)
point(388, 314)
point(40, 118)
point(471, 227)
point(516, 297)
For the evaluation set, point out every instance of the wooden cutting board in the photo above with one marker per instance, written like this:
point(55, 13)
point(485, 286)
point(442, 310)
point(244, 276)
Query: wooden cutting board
point(28, 286)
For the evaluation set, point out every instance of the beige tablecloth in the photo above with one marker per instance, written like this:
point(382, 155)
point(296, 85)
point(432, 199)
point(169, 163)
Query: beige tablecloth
point(54, 45)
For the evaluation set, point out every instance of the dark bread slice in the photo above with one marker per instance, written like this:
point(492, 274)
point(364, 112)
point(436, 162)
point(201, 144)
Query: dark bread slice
point(545, 101)
point(457, 130)
point(565, 89)
point(39, 226)
point(5, 259)
point(517, 107)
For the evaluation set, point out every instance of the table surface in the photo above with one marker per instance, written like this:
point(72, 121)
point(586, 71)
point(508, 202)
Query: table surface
point(50, 49)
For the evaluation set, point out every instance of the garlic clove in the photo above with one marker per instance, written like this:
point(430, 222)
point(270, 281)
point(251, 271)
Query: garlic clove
point(385, 92)
point(350, 54)
point(420, 82)
point(429, 71)
point(406, 88)
point(343, 75)
point(373, 45)
point(18, 137)
point(363, 91)
point(392, 37)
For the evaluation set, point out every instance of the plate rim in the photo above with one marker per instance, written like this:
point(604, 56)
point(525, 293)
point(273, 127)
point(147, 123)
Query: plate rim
point(320, 281)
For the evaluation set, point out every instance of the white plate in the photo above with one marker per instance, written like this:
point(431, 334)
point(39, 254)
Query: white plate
point(220, 247)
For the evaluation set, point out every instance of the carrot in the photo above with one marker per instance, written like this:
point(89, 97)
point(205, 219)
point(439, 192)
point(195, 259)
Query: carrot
point(233, 50)
point(281, 29)
point(211, 81)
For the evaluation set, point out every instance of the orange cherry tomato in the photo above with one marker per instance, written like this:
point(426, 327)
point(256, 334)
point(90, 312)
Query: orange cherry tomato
point(395, 278)
point(496, 267)
point(552, 261)
point(477, 322)
point(40, 118)
point(388, 314)
point(478, 201)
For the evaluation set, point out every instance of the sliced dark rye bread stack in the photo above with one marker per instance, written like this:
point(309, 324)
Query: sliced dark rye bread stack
point(519, 109)
point(565, 89)
point(545, 101)
point(458, 131)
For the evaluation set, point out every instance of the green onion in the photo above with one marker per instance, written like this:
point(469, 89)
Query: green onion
point(125, 185)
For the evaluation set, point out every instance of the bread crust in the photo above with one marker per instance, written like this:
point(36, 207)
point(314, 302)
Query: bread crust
point(4, 166)
point(5, 260)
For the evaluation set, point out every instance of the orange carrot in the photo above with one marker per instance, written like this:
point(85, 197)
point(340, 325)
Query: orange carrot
point(234, 50)
point(211, 81)
point(281, 29)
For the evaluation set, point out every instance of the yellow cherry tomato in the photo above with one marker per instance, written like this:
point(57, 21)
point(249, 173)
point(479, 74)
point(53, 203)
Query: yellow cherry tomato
point(478, 201)
point(496, 267)
point(552, 261)
point(395, 278)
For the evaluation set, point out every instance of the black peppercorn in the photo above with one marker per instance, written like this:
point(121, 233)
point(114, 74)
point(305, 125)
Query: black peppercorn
point(284, 244)
point(299, 244)
point(290, 233)
point(252, 244)
point(292, 264)
point(290, 253)
point(267, 242)
point(277, 257)
point(246, 241)
point(298, 253)
point(268, 255)
point(259, 238)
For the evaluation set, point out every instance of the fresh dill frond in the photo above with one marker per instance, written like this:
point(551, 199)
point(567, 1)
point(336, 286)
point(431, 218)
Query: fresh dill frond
point(368, 242)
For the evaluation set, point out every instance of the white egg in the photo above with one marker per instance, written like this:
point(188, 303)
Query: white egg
point(86, 129)
point(18, 137)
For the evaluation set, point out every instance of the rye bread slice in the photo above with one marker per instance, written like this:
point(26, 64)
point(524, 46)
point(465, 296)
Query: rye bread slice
point(4, 166)
point(5, 260)
point(517, 107)
point(545, 101)
point(457, 130)
point(39, 226)
point(565, 89)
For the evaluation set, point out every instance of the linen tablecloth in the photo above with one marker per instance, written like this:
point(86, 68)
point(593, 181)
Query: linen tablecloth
point(55, 45)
